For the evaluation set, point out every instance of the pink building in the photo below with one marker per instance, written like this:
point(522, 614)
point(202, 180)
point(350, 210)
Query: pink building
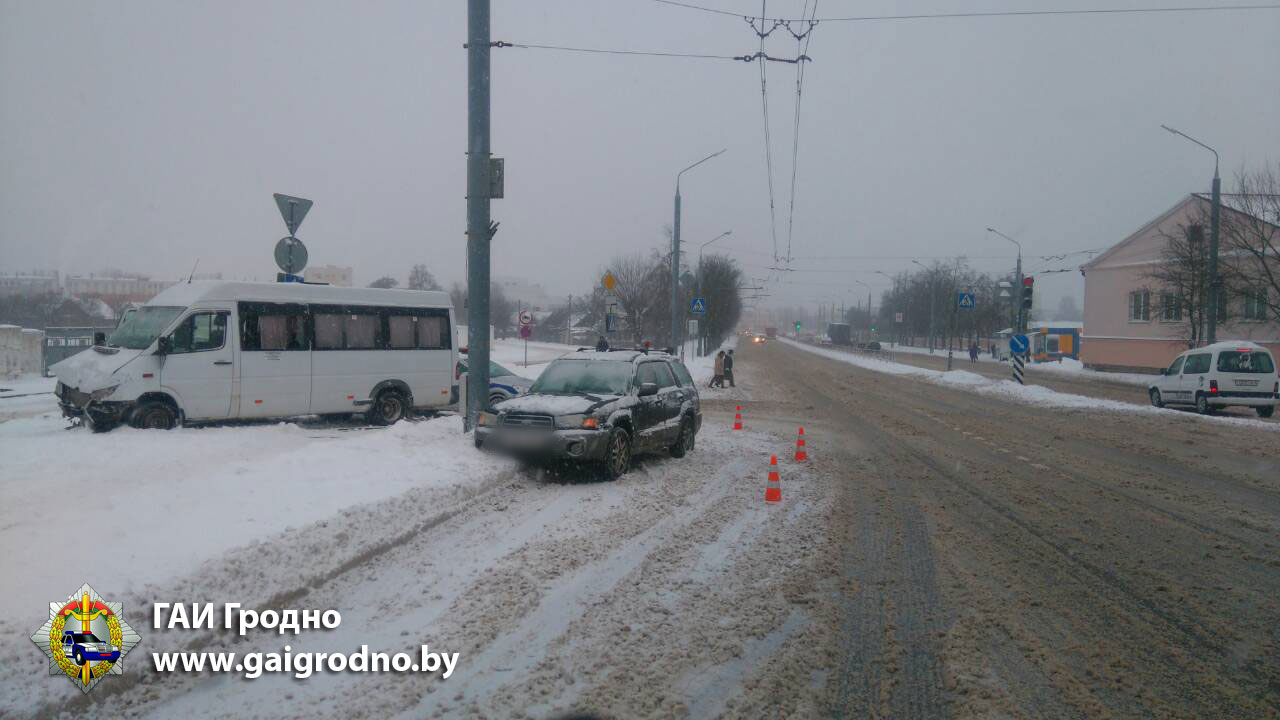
point(1132, 324)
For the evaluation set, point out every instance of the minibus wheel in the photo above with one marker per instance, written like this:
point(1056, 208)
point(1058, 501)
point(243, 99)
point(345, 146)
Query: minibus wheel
point(155, 415)
point(388, 409)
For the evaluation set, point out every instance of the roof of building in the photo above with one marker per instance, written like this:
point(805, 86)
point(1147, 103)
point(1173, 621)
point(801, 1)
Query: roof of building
point(1230, 202)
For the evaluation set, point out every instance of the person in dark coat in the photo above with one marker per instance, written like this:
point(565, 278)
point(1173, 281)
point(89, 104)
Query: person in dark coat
point(602, 345)
point(728, 369)
point(973, 352)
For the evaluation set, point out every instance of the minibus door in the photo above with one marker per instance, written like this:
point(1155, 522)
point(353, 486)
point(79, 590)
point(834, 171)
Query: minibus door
point(198, 366)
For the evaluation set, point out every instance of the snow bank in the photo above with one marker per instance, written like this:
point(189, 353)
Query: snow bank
point(163, 502)
point(1010, 390)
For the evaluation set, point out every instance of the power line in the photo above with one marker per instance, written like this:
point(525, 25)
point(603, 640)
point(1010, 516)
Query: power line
point(978, 14)
point(606, 51)
point(768, 141)
point(802, 49)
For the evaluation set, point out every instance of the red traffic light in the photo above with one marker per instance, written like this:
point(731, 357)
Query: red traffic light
point(1028, 281)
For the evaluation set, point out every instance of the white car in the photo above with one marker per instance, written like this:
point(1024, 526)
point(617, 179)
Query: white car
point(1219, 375)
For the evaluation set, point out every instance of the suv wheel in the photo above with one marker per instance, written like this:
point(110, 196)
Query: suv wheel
point(1202, 404)
point(389, 408)
point(1266, 411)
point(79, 657)
point(617, 454)
point(155, 415)
point(1156, 400)
point(684, 441)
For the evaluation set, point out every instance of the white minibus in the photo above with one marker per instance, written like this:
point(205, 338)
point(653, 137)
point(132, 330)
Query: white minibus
point(207, 351)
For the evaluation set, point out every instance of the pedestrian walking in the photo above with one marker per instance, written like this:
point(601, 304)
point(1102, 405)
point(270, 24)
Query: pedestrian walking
point(973, 352)
point(602, 345)
point(717, 377)
point(728, 369)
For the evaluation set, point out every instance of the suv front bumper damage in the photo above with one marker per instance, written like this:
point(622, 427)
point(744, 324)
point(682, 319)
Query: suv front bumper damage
point(545, 444)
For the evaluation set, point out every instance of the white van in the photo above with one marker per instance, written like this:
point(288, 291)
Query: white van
point(220, 350)
point(1226, 373)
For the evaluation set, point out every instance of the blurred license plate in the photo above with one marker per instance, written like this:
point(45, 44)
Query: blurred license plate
point(525, 439)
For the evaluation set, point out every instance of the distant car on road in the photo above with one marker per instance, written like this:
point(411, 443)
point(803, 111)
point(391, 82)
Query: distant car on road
point(759, 339)
point(1220, 375)
point(599, 407)
point(503, 384)
point(82, 647)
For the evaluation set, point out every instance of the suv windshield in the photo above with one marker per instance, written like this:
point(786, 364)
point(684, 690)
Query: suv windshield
point(598, 377)
point(85, 637)
point(1233, 361)
point(140, 328)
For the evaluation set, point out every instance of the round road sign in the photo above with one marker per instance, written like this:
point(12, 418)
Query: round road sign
point(291, 254)
point(526, 317)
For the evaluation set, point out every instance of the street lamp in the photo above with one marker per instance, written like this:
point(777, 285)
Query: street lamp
point(703, 246)
point(1014, 300)
point(868, 287)
point(933, 301)
point(676, 314)
point(1212, 322)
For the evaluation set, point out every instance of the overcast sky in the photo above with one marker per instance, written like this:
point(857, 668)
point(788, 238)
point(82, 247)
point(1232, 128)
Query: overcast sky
point(145, 135)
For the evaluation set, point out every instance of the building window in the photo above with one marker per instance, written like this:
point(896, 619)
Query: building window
point(1170, 307)
point(1255, 304)
point(1222, 306)
point(1140, 306)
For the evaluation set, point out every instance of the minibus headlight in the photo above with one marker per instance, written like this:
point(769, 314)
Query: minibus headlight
point(102, 394)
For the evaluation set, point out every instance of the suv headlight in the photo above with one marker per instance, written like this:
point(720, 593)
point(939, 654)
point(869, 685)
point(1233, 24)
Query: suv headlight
point(102, 394)
point(486, 419)
point(579, 421)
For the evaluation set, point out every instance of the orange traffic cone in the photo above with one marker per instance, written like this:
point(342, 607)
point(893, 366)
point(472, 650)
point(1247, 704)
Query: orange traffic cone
point(801, 455)
point(737, 418)
point(773, 491)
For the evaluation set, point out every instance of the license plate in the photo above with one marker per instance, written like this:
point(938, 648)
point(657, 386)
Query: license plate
point(524, 440)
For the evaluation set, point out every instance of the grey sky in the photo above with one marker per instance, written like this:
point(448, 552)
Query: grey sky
point(142, 135)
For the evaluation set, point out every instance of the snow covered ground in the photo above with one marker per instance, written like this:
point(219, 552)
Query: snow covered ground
point(1068, 367)
point(1008, 389)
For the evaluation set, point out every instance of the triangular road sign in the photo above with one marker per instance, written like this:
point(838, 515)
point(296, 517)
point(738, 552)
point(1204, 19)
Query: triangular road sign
point(292, 209)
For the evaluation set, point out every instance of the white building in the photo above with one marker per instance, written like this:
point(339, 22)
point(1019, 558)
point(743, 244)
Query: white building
point(14, 285)
point(331, 274)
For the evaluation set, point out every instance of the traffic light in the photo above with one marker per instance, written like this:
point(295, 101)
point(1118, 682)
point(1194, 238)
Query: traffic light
point(797, 326)
point(1028, 290)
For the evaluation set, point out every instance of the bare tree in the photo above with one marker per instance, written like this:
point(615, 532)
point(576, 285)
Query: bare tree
point(1179, 292)
point(385, 282)
point(420, 278)
point(642, 287)
point(1250, 237)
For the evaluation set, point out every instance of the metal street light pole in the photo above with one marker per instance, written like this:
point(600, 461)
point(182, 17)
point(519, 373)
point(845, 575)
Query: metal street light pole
point(933, 301)
point(676, 314)
point(1214, 213)
point(701, 334)
point(896, 325)
point(1015, 300)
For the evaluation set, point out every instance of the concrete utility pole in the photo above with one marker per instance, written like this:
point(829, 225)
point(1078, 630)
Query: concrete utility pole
point(677, 313)
point(1214, 213)
point(1015, 297)
point(479, 233)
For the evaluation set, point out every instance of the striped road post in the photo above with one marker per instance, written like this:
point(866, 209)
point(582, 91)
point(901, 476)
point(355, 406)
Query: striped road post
point(1016, 361)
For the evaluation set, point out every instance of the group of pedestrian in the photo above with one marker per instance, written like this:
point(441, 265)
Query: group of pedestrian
point(723, 370)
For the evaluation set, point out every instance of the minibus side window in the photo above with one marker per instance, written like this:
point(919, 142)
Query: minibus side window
point(347, 327)
point(434, 332)
point(400, 331)
point(273, 326)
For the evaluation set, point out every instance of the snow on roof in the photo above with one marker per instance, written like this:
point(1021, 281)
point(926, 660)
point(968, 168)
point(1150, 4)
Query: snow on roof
point(186, 294)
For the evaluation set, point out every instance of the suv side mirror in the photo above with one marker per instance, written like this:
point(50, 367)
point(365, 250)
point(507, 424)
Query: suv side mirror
point(647, 389)
point(164, 345)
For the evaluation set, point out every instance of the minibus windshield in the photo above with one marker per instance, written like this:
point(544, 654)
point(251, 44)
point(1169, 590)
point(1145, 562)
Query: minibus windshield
point(139, 329)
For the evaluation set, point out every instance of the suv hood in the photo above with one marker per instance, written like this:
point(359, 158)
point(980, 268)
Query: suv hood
point(93, 369)
point(555, 404)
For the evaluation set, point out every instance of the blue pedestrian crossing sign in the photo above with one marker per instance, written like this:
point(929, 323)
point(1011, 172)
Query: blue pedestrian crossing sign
point(965, 300)
point(698, 306)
